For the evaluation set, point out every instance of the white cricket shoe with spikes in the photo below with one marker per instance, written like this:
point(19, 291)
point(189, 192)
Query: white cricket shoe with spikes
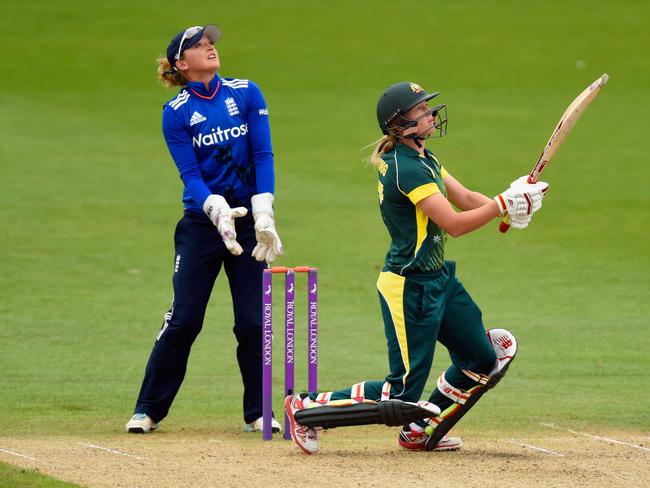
point(414, 440)
point(305, 437)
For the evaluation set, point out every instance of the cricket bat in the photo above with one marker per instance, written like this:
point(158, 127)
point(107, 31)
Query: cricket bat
point(562, 129)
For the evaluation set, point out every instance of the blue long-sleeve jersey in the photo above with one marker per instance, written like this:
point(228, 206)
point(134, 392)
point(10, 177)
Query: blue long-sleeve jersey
point(220, 140)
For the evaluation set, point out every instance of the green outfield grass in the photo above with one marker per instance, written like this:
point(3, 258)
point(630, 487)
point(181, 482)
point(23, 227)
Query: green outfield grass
point(11, 477)
point(90, 199)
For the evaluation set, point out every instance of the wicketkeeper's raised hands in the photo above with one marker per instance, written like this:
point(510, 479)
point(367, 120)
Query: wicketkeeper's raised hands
point(223, 217)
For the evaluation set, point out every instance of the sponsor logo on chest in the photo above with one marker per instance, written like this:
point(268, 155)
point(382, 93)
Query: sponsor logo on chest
point(215, 136)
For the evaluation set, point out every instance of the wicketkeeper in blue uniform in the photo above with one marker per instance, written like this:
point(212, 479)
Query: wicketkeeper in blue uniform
point(217, 131)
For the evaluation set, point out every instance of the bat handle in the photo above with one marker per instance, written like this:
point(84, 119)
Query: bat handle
point(504, 225)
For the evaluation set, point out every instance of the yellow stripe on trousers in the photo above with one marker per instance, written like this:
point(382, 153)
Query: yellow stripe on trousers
point(391, 287)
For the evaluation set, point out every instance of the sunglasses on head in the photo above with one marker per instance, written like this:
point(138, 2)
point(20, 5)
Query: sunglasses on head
point(188, 34)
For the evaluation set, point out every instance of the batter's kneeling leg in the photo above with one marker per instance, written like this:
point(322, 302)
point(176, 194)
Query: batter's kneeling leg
point(345, 413)
point(505, 347)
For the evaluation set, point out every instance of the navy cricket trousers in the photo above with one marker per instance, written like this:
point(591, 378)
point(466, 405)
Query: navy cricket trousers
point(200, 255)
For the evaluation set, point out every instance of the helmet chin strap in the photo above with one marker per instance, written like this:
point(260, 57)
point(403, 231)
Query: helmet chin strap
point(416, 139)
point(416, 136)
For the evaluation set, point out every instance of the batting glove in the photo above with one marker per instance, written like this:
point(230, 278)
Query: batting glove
point(521, 198)
point(223, 217)
point(269, 245)
point(522, 180)
point(520, 222)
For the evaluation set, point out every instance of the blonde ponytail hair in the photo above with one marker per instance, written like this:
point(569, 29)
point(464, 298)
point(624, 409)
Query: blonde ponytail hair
point(382, 146)
point(169, 77)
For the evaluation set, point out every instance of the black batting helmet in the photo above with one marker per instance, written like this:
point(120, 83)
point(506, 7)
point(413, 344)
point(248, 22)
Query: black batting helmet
point(397, 100)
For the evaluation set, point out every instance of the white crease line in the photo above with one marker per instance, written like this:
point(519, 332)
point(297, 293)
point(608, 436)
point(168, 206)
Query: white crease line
point(17, 454)
point(113, 451)
point(547, 451)
point(610, 440)
point(604, 439)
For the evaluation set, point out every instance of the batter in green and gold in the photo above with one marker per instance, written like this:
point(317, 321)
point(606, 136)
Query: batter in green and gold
point(406, 176)
point(422, 301)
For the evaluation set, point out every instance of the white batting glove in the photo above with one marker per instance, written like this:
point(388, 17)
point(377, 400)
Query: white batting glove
point(520, 222)
point(269, 245)
point(521, 198)
point(536, 190)
point(522, 180)
point(223, 217)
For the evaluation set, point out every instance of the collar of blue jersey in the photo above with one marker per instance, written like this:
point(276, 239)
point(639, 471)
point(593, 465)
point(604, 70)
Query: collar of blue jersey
point(199, 89)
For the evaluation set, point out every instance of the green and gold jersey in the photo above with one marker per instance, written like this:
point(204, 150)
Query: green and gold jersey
point(405, 178)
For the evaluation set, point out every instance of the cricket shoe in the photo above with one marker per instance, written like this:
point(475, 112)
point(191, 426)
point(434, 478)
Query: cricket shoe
point(306, 438)
point(258, 426)
point(416, 441)
point(140, 423)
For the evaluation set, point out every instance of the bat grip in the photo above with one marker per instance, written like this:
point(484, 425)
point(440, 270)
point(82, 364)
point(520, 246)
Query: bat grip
point(504, 225)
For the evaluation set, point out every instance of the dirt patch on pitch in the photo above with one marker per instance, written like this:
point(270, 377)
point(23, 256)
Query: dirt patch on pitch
point(365, 456)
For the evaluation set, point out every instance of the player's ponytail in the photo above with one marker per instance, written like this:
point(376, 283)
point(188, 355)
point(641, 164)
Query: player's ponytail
point(170, 77)
point(383, 145)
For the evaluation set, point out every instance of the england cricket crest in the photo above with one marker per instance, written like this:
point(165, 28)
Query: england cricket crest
point(231, 106)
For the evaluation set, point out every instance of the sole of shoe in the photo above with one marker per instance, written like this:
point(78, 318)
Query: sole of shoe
point(248, 429)
point(446, 448)
point(408, 445)
point(140, 429)
point(449, 447)
point(442, 446)
point(409, 448)
point(435, 449)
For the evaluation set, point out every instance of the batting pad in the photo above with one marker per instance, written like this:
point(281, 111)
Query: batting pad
point(505, 347)
point(389, 412)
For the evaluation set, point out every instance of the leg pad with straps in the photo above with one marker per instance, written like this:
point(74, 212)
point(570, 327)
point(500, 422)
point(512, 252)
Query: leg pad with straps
point(505, 346)
point(344, 414)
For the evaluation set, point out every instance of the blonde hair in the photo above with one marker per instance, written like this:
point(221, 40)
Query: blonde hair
point(169, 77)
point(382, 146)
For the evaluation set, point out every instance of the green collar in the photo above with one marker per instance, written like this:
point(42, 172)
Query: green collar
point(408, 151)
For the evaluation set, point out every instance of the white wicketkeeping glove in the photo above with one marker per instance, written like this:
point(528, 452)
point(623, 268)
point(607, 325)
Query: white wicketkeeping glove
point(268, 245)
point(521, 198)
point(223, 217)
